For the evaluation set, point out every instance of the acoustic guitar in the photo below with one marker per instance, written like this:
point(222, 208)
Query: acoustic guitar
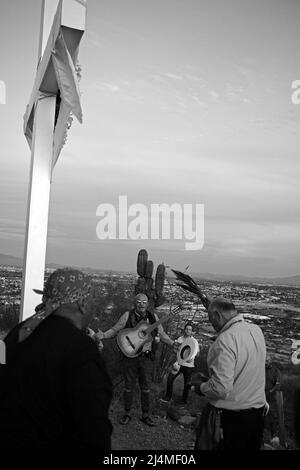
point(133, 341)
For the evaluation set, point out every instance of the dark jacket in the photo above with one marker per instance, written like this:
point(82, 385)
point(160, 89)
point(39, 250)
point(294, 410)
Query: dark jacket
point(55, 391)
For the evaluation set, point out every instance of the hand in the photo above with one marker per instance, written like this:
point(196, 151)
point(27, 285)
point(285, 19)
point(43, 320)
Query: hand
point(157, 339)
point(175, 346)
point(199, 378)
point(99, 335)
point(196, 388)
point(266, 408)
point(90, 332)
point(196, 382)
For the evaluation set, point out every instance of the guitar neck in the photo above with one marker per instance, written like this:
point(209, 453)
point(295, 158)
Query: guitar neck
point(162, 320)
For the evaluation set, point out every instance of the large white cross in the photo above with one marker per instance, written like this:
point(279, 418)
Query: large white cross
point(45, 124)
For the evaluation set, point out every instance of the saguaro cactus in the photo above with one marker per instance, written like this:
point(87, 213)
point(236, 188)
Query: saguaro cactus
point(145, 283)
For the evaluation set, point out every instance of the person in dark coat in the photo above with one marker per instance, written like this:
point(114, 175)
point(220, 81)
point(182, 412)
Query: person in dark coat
point(55, 391)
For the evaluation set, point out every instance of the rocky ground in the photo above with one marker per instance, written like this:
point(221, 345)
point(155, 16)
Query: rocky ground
point(175, 424)
point(174, 430)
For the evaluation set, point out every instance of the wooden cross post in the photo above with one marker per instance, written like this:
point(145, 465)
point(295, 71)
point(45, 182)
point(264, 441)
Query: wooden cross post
point(54, 96)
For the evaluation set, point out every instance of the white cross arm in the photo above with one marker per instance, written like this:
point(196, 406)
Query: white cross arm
point(56, 71)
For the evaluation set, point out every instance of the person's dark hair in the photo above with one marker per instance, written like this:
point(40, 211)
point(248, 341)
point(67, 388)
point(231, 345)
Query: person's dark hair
point(188, 324)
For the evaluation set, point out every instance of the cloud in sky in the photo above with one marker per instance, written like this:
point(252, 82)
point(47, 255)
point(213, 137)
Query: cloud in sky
point(182, 103)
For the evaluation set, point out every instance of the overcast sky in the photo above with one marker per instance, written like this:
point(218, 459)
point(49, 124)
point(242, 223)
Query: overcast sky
point(184, 101)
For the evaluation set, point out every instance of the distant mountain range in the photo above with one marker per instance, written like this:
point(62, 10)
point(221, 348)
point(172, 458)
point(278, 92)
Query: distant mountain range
point(8, 260)
point(289, 281)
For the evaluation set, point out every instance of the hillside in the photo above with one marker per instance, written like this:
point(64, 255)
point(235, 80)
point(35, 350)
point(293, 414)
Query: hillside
point(9, 260)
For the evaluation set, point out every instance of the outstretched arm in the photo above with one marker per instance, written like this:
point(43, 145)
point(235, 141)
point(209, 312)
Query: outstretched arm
point(163, 335)
point(120, 325)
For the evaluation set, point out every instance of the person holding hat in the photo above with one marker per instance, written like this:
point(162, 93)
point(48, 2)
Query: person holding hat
point(186, 368)
point(56, 391)
point(138, 367)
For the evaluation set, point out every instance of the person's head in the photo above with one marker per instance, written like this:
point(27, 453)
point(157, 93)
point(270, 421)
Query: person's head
point(141, 303)
point(220, 311)
point(188, 329)
point(69, 293)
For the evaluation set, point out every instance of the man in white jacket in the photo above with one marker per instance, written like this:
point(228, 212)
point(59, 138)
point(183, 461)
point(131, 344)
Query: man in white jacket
point(236, 384)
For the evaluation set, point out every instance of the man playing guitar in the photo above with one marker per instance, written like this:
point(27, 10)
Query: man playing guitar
point(141, 366)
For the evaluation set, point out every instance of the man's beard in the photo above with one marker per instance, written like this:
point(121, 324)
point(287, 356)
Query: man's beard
point(142, 313)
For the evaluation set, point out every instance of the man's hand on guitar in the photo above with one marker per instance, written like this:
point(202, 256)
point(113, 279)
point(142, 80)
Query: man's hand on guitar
point(100, 335)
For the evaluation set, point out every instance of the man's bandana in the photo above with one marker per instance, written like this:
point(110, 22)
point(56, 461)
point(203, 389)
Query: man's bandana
point(64, 286)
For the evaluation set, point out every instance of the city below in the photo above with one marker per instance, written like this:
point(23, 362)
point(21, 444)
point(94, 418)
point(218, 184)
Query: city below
point(276, 309)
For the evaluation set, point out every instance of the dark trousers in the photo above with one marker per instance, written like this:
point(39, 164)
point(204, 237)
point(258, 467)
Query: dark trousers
point(187, 375)
point(242, 430)
point(137, 368)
